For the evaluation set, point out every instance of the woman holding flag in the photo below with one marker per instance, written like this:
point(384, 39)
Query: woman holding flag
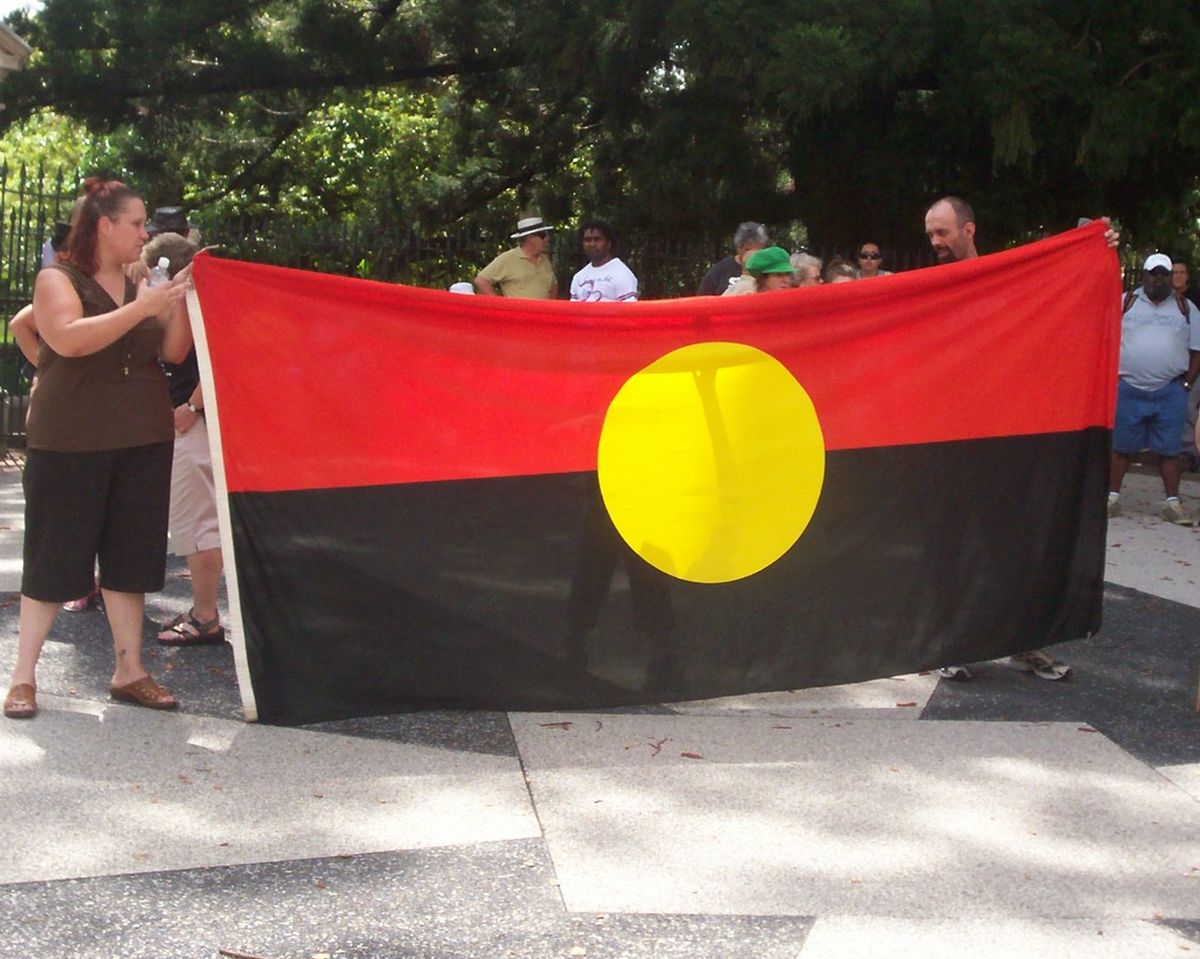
point(100, 432)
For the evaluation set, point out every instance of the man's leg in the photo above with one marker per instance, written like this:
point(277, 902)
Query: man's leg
point(205, 567)
point(195, 535)
point(1166, 440)
point(1169, 469)
point(1129, 435)
point(1117, 469)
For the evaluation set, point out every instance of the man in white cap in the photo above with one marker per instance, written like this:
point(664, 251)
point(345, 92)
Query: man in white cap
point(1160, 359)
point(524, 271)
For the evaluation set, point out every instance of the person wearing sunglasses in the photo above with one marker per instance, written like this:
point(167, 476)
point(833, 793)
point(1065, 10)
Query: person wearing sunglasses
point(869, 261)
point(525, 271)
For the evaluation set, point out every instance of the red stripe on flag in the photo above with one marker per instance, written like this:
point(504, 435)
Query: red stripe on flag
point(327, 382)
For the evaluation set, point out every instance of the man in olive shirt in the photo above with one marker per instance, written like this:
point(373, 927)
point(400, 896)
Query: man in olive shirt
point(525, 270)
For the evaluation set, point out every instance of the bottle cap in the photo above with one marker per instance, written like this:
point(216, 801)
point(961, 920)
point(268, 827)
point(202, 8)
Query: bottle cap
point(164, 264)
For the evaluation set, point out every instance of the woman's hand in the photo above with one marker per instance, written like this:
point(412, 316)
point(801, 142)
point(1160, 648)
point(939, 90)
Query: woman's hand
point(158, 300)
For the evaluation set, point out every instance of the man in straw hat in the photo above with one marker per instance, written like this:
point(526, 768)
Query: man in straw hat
point(525, 270)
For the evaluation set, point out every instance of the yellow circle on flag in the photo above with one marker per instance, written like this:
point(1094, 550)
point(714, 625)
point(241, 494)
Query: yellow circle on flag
point(711, 461)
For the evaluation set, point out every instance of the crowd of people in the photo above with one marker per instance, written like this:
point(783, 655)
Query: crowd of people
point(754, 266)
point(1160, 343)
point(117, 442)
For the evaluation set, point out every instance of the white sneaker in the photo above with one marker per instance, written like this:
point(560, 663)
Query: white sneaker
point(1040, 664)
point(960, 674)
point(1173, 512)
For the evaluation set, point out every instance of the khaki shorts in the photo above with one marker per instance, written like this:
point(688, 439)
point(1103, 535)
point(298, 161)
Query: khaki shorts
point(193, 496)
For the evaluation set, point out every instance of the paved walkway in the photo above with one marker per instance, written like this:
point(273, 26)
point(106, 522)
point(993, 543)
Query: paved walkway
point(1004, 817)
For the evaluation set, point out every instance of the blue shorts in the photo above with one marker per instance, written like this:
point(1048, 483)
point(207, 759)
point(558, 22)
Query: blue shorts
point(1150, 419)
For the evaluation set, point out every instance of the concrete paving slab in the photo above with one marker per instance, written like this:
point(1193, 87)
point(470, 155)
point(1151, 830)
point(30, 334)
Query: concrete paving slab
point(491, 900)
point(1150, 555)
point(1187, 777)
point(759, 815)
point(474, 900)
point(898, 697)
point(1135, 681)
point(12, 527)
point(1189, 928)
point(858, 937)
point(96, 789)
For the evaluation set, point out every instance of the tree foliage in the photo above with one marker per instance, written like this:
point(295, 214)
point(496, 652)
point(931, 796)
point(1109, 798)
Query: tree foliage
point(677, 116)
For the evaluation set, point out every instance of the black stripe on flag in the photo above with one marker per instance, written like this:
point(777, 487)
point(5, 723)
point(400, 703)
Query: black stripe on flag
point(517, 593)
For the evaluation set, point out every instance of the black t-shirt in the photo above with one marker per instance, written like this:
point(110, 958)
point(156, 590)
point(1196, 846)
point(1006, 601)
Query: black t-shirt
point(183, 378)
point(716, 280)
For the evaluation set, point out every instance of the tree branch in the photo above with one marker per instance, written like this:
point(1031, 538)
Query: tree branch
point(224, 82)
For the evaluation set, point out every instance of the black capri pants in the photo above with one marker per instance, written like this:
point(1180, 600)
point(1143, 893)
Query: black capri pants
point(111, 504)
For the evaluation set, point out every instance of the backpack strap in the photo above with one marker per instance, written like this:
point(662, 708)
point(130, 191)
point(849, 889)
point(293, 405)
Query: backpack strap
point(1180, 301)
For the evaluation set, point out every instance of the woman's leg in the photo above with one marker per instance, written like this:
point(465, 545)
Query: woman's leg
point(126, 612)
point(35, 621)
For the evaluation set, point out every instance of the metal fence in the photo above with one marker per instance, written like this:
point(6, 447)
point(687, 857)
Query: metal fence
point(665, 267)
point(32, 201)
point(436, 259)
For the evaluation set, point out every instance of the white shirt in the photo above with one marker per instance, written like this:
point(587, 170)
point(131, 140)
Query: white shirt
point(1157, 340)
point(613, 281)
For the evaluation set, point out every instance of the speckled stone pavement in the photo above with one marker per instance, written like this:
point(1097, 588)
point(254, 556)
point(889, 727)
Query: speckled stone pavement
point(1007, 816)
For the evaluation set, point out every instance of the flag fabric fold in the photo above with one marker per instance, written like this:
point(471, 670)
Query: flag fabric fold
point(433, 501)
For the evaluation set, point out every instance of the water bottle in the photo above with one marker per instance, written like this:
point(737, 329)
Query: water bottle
point(160, 272)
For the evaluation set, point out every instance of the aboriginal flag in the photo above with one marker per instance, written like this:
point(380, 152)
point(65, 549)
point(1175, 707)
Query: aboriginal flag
point(433, 500)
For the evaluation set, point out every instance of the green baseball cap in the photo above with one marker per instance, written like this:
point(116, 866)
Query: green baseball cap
point(771, 259)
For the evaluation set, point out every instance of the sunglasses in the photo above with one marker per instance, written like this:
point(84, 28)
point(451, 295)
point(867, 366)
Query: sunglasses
point(870, 256)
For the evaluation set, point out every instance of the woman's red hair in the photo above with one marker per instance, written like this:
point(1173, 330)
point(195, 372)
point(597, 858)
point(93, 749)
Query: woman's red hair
point(101, 197)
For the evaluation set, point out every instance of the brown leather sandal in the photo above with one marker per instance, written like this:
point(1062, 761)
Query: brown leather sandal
point(21, 702)
point(144, 692)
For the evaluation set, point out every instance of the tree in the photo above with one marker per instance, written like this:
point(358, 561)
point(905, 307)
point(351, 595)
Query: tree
point(679, 117)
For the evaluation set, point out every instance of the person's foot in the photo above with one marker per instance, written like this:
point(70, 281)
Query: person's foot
point(144, 692)
point(1114, 507)
point(21, 702)
point(84, 603)
point(958, 674)
point(186, 630)
point(1040, 664)
point(1173, 512)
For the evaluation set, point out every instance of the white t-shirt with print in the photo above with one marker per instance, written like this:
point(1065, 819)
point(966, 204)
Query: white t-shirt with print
point(613, 281)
